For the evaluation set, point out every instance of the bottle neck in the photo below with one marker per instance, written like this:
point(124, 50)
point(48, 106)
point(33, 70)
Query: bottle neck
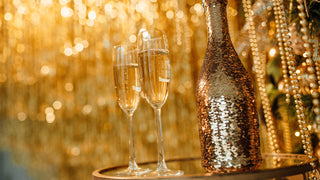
point(217, 23)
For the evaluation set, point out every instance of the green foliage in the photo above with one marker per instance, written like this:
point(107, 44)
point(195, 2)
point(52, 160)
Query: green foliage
point(313, 7)
point(280, 107)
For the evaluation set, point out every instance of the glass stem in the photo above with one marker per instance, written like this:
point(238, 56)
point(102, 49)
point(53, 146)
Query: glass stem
point(161, 162)
point(132, 157)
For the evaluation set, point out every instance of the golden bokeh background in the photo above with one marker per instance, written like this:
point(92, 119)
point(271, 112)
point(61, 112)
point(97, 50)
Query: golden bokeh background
point(58, 114)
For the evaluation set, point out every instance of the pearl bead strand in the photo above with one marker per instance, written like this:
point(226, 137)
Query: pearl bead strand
point(260, 78)
point(312, 66)
point(290, 67)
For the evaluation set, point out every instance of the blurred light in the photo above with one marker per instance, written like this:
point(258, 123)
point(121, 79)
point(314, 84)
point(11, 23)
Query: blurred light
point(101, 18)
point(22, 116)
point(16, 2)
point(68, 51)
point(45, 70)
point(106, 43)
point(68, 87)
point(46, 2)
point(244, 54)
point(8, 16)
point(142, 29)
point(102, 101)
point(49, 110)
point(85, 43)
point(64, 2)
point(20, 48)
point(305, 55)
point(195, 19)
point(309, 127)
point(22, 10)
point(197, 7)
point(180, 14)
point(143, 127)
point(57, 105)
point(66, 12)
point(297, 133)
point(271, 32)
point(75, 151)
point(87, 109)
point(77, 2)
point(18, 22)
point(74, 51)
point(50, 118)
point(35, 18)
point(233, 11)
point(181, 89)
point(145, 34)
point(272, 52)
point(113, 14)
point(79, 47)
point(141, 7)
point(82, 22)
point(169, 14)
point(76, 40)
point(108, 8)
point(281, 86)
point(67, 45)
point(132, 38)
point(90, 22)
point(82, 11)
point(92, 15)
point(151, 138)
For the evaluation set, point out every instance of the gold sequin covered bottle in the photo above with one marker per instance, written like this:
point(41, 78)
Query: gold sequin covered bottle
point(227, 116)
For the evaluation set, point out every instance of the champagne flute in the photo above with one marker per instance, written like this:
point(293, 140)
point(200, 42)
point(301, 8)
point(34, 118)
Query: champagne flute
point(127, 86)
point(154, 68)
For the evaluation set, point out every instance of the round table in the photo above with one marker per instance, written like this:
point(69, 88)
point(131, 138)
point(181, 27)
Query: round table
point(273, 166)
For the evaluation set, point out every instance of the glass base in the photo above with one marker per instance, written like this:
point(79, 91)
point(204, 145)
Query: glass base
point(133, 172)
point(165, 172)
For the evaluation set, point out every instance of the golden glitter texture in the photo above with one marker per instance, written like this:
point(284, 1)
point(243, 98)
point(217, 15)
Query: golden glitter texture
point(228, 119)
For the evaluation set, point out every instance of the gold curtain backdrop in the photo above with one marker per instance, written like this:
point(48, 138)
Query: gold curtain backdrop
point(59, 115)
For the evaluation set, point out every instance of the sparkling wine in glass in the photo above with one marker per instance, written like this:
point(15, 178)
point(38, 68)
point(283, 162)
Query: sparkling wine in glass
point(154, 68)
point(127, 86)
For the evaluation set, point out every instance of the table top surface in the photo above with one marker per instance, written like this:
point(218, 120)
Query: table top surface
point(286, 165)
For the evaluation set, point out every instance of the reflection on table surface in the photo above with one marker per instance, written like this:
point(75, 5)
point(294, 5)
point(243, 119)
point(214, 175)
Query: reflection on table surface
point(273, 165)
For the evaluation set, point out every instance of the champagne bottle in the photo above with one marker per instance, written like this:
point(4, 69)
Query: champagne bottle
point(227, 116)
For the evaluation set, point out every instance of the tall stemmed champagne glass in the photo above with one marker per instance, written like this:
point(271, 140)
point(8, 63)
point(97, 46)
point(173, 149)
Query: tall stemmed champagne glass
point(154, 68)
point(127, 85)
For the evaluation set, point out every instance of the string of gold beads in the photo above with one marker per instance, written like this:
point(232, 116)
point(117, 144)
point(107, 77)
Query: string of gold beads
point(290, 67)
point(260, 78)
point(312, 66)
